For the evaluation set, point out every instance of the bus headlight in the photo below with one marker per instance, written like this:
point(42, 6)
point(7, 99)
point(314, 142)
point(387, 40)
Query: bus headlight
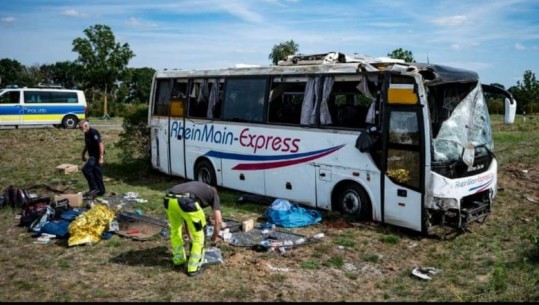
point(446, 203)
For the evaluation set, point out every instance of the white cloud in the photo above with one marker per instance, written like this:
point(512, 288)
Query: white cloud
point(520, 47)
point(8, 19)
point(465, 45)
point(71, 13)
point(135, 22)
point(450, 20)
point(240, 10)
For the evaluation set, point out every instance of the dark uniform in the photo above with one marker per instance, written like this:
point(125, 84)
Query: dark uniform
point(184, 202)
point(92, 170)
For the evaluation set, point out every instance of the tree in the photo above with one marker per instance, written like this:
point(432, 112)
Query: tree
point(527, 93)
point(140, 85)
point(399, 53)
point(102, 58)
point(282, 50)
point(64, 73)
point(10, 72)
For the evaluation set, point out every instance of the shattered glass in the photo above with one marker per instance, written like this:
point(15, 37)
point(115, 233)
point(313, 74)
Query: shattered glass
point(469, 123)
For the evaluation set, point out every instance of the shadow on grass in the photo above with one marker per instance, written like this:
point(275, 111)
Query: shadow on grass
point(139, 173)
point(156, 256)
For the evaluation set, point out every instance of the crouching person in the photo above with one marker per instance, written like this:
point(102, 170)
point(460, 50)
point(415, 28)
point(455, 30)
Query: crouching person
point(184, 203)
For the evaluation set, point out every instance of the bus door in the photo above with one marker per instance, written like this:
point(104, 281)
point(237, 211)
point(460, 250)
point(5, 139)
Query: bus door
point(177, 122)
point(160, 124)
point(11, 109)
point(404, 162)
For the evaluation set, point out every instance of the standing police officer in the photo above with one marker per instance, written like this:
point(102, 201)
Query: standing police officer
point(184, 203)
point(92, 169)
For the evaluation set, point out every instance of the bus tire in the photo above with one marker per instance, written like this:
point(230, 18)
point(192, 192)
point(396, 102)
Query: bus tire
point(70, 121)
point(204, 172)
point(353, 200)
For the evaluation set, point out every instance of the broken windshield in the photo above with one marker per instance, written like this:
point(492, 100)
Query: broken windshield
point(468, 123)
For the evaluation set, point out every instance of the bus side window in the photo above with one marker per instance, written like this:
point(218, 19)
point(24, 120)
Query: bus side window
point(215, 99)
point(348, 107)
point(162, 97)
point(285, 103)
point(198, 98)
point(244, 100)
point(178, 99)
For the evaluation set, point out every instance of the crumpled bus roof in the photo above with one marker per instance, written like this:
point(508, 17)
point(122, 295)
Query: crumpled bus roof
point(434, 74)
point(335, 62)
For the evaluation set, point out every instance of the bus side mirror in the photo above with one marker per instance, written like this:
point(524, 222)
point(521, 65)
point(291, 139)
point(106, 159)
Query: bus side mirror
point(510, 110)
point(363, 142)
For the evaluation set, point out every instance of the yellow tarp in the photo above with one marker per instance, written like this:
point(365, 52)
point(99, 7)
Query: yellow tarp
point(88, 227)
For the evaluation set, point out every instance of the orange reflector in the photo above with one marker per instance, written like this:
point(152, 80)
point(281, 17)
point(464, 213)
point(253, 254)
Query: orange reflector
point(401, 94)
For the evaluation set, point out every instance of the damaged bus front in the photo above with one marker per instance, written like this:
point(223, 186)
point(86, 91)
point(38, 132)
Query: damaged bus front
point(463, 166)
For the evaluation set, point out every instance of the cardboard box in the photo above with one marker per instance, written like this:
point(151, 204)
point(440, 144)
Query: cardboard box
point(247, 225)
point(75, 200)
point(67, 168)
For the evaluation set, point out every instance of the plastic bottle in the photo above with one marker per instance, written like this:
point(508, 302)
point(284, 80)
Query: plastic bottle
point(300, 241)
point(273, 228)
point(209, 230)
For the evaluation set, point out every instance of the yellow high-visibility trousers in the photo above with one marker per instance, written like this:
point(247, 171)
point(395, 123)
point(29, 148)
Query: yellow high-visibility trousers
point(182, 209)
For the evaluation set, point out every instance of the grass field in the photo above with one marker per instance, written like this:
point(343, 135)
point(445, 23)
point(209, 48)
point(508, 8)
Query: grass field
point(495, 261)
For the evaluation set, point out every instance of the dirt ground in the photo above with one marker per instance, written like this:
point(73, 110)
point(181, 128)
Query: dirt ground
point(352, 262)
point(523, 177)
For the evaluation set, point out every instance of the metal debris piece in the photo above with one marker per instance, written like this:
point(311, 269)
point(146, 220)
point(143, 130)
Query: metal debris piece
point(134, 216)
point(425, 272)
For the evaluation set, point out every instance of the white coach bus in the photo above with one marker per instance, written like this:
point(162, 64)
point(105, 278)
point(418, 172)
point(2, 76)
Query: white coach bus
point(406, 144)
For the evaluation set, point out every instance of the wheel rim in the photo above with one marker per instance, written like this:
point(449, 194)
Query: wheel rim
point(351, 202)
point(70, 122)
point(204, 175)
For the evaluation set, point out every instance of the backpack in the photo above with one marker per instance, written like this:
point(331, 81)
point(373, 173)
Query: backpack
point(32, 212)
point(15, 197)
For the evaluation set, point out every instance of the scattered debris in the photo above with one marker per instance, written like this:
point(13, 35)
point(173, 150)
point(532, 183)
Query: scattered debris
point(277, 268)
point(67, 168)
point(247, 225)
point(139, 227)
point(132, 216)
point(412, 245)
point(138, 230)
point(212, 256)
point(425, 272)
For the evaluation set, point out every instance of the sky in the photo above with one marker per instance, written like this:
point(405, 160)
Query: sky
point(498, 39)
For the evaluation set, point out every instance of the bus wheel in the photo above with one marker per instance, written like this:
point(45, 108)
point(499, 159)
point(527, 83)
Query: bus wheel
point(204, 173)
point(353, 200)
point(70, 121)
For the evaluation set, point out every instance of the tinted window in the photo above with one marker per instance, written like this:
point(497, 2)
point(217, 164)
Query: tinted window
point(244, 100)
point(10, 97)
point(162, 97)
point(54, 97)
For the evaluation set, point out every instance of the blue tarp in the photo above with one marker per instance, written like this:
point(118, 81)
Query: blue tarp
point(290, 215)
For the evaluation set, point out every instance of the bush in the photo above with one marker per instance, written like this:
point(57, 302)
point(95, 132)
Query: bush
point(134, 142)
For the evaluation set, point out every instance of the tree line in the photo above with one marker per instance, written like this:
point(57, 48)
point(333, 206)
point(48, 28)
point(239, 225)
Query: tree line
point(101, 70)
